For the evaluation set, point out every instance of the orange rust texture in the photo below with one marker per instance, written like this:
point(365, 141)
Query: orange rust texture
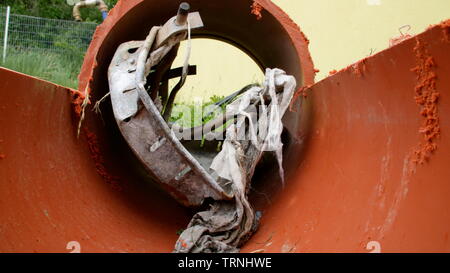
point(50, 188)
point(256, 10)
point(99, 161)
point(446, 30)
point(301, 92)
point(356, 184)
point(78, 97)
point(77, 101)
point(396, 40)
point(359, 68)
point(427, 98)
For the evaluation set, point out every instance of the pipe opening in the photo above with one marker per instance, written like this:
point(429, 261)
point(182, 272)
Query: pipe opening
point(222, 69)
point(266, 42)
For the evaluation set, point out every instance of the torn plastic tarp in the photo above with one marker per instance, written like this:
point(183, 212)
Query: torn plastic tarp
point(227, 225)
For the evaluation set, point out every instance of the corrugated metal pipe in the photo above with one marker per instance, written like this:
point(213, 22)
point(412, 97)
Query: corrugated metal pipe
point(103, 8)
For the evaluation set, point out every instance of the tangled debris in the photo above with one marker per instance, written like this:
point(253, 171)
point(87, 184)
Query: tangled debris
point(227, 225)
point(142, 105)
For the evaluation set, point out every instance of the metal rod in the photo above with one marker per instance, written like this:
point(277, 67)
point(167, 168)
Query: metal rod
point(182, 15)
point(5, 41)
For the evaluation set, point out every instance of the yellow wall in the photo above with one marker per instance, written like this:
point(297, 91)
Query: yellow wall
point(221, 70)
point(340, 31)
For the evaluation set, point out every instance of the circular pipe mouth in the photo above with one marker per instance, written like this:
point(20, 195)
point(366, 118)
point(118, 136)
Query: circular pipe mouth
point(272, 41)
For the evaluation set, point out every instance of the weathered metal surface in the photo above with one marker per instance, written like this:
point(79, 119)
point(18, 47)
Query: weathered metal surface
point(144, 129)
point(345, 189)
point(171, 28)
point(359, 185)
point(123, 86)
point(56, 188)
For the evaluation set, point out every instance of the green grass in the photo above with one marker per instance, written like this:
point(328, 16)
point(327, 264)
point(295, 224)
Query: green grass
point(57, 68)
point(192, 115)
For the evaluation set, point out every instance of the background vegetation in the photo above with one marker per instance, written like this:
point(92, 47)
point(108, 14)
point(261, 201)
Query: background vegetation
point(55, 9)
point(53, 67)
point(61, 66)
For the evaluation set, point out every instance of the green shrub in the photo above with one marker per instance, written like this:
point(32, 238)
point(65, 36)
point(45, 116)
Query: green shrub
point(56, 9)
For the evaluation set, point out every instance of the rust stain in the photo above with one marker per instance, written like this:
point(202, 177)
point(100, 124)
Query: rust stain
point(303, 92)
point(88, 90)
point(96, 155)
point(427, 98)
point(359, 68)
point(77, 101)
point(446, 30)
point(256, 10)
point(332, 72)
point(396, 40)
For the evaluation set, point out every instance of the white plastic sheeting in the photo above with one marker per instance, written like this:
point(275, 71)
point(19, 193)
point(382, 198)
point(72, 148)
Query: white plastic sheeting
point(228, 224)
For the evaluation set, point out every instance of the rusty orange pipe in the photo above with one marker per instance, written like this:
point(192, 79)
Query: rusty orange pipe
point(352, 176)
